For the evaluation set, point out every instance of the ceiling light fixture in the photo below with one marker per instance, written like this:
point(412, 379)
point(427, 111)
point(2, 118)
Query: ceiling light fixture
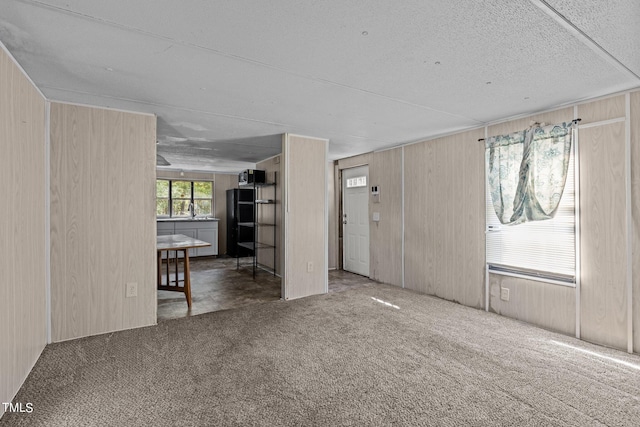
point(109, 69)
point(365, 33)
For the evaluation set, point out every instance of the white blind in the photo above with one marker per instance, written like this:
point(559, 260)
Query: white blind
point(541, 249)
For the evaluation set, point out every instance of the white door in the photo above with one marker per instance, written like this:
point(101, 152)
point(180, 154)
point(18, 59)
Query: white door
point(355, 220)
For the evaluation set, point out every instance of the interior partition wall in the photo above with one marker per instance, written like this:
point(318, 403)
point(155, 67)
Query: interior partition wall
point(305, 214)
point(23, 225)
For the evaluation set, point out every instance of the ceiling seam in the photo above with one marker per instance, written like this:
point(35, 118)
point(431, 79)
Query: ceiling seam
point(583, 37)
point(241, 58)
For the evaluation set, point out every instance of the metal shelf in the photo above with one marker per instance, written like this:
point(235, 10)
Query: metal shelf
point(256, 245)
point(260, 200)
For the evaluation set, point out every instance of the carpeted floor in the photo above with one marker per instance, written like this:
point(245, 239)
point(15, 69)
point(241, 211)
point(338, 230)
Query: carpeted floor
point(374, 355)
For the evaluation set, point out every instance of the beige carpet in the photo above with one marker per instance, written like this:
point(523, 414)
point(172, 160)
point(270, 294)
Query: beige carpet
point(338, 359)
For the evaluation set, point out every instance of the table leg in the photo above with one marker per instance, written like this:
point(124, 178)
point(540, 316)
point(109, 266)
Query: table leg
point(187, 278)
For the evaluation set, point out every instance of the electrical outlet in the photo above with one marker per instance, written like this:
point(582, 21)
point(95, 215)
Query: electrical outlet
point(131, 290)
point(504, 294)
point(309, 267)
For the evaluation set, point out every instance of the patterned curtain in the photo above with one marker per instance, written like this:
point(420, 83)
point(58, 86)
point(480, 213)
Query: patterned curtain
point(527, 172)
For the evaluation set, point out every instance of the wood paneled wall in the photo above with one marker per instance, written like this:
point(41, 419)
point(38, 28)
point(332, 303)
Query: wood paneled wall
point(305, 217)
point(603, 234)
point(444, 233)
point(103, 221)
point(385, 236)
point(635, 210)
point(22, 226)
point(266, 214)
point(352, 162)
point(550, 306)
point(332, 171)
point(444, 217)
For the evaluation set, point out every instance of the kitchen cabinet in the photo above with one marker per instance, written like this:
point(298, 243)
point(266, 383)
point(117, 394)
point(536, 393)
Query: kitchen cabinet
point(201, 229)
point(165, 229)
point(209, 235)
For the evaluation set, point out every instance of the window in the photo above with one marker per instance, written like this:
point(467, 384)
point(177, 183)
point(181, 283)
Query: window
point(162, 198)
point(360, 181)
point(173, 198)
point(180, 198)
point(542, 250)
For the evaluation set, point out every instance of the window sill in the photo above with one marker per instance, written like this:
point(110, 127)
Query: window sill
point(512, 272)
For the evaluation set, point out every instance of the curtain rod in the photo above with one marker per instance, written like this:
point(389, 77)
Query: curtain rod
point(574, 121)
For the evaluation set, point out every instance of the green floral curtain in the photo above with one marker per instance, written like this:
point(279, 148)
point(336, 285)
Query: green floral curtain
point(527, 172)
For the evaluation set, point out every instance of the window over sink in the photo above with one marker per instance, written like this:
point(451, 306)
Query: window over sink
point(182, 199)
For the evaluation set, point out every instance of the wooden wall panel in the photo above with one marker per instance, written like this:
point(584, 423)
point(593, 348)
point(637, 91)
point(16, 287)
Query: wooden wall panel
point(333, 216)
point(304, 196)
point(603, 235)
point(96, 214)
point(444, 218)
point(115, 219)
point(552, 307)
point(635, 211)
point(102, 220)
point(267, 212)
point(147, 132)
point(603, 109)
point(550, 117)
point(22, 226)
point(352, 162)
point(385, 238)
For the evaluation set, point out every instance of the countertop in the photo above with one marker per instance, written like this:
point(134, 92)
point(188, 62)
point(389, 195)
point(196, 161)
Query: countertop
point(186, 219)
point(178, 241)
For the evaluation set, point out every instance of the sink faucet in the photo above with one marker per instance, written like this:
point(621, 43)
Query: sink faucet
point(192, 210)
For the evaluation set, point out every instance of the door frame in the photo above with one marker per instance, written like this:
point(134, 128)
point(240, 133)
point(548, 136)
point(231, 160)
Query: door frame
point(340, 214)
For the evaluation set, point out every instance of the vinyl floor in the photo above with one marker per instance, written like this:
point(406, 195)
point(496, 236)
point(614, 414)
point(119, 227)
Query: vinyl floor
point(217, 284)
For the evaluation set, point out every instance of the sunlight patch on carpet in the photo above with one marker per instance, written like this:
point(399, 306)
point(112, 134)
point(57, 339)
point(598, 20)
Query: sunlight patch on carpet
point(385, 303)
point(601, 356)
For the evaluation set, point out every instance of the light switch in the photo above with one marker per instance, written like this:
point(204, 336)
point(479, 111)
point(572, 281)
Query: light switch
point(376, 216)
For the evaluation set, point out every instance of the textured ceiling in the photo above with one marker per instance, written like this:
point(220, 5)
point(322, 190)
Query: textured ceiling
point(226, 78)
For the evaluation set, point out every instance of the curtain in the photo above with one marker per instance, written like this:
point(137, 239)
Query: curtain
point(527, 172)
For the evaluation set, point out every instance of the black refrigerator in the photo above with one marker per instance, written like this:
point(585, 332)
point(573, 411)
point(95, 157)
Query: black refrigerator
point(240, 208)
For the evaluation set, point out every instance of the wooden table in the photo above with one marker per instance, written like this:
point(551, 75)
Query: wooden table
point(178, 243)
